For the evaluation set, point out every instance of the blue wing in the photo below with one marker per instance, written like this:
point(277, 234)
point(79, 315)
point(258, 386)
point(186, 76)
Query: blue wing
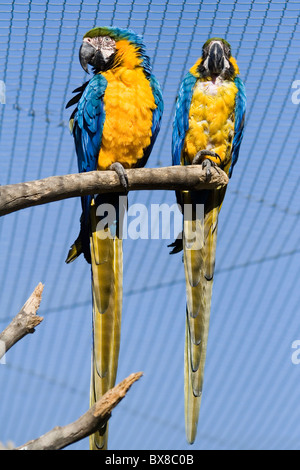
point(181, 119)
point(88, 124)
point(240, 111)
point(156, 119)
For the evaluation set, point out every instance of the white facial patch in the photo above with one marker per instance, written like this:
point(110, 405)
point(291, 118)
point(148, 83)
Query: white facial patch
point(106, 53)
point(105, 44)
point(107, 47)
point(226, 63)
point(205, 63)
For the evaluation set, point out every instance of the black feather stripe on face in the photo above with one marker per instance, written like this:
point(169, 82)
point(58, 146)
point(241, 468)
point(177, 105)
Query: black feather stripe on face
point(100, 64)
point(226, 74)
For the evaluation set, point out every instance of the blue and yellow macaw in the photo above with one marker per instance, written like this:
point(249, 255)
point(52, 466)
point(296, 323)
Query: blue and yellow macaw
point(208, 129)
point(114, 125)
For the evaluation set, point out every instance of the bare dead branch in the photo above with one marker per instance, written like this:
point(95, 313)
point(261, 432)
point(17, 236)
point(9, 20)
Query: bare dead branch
point(19, 196)
point(87, 424)
point(8, 446)
point(24, 322)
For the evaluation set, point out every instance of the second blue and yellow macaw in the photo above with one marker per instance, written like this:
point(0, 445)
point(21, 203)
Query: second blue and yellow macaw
point(114, 125)
point(208, 129)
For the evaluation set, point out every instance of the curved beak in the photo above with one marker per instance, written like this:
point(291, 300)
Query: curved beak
point(86, 54)
point(216, 59)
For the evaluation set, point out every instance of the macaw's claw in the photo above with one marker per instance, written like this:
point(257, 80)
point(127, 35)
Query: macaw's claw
point(205, 153)
point(206, 163)
point(119, 169)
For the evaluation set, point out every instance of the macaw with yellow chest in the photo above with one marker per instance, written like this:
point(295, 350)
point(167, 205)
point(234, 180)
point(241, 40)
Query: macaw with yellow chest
point(208, 129)
point(114, 125)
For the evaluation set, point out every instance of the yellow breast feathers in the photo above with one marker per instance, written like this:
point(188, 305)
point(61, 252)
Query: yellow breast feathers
point(211, 120)
point(128, 104)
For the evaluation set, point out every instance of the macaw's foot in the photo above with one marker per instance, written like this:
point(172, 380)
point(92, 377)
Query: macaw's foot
point(119, 169)
point(206, 163)
point(205, 153)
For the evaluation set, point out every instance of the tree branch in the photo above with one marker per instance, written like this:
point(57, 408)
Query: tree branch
point(87, 424)
point(23, 323)
point(19, 196)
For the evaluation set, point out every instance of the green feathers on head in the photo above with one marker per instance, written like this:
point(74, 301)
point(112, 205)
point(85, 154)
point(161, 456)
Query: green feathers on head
point(116, 33)
point(226, 43)
point(217, 39)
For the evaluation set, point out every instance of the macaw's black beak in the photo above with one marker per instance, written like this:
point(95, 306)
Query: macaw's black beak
point(216, 59)
point(86, 55)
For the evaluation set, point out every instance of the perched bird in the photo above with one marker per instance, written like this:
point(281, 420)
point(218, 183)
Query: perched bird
point(114, 125)
point(207, 129)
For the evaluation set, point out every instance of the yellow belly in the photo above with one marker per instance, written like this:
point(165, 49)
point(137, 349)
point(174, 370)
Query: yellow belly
point(129, 104)
point(211, 120)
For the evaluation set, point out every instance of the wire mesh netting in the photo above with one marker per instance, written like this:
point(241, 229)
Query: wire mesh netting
point(251, 394)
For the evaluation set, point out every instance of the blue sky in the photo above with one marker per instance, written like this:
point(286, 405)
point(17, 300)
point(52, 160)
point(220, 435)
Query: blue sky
point(252, 393)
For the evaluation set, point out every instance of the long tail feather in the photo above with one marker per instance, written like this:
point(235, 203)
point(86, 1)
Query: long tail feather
point(199, 261)
point(107, 278)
